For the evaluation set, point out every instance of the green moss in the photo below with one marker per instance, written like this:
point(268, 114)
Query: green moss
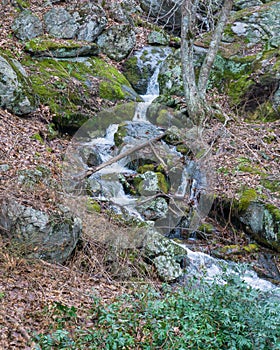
point(109, 91)
point(160, 169)
point(104, 70)
point(69, 88)
point(274, 211)
point(207, 228)
point(120, 134)
point(251, 248)
point(37, 137)
point(146, 167)
point(93, 206)
point(248, 195)
point(131, 70)
point(45, 44)
point(237, 89)
point(246, 166)
point(266, 112)
point(162, 183)
point(22, 4)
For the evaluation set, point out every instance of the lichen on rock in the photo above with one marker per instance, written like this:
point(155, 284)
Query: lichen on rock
point(15, 87)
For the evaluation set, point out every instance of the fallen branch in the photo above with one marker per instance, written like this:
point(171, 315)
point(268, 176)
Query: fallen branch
point(122, 155)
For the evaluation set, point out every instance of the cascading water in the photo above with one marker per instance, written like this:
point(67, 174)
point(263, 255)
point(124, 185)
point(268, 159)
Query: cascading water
point(110, 184)
point(154, 60)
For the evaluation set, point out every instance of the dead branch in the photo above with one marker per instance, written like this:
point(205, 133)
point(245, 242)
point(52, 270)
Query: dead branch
point(123, 155)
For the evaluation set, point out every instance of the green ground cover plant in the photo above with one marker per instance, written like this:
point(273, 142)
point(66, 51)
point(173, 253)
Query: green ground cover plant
point(199, 315)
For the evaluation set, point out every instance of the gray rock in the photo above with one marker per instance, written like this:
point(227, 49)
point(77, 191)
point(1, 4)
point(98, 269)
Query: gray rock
point(44, 236)
point(60, 23)
point(158, 38)
point(166, 255)
point(167, 268)
point(131, 6)
point(276, 99)
point(117, 42)
point(135, 132)
point(263, 223)
point(242, 4)
point(118, 13)
point(155, 209)
point(258, 26)
point(150, 183)
point(27, 26)
point(13, 88)
point(92, 21)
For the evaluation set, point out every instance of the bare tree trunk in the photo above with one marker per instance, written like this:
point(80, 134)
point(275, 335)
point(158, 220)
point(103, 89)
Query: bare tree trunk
point(192, 94)
point(213, 48)
point(195, 89)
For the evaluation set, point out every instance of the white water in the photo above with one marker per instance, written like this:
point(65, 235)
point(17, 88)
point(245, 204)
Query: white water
point(200, 264)
point(155, 60)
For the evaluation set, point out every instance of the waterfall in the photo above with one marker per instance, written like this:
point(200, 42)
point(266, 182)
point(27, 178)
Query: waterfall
point(110, 184)
point(154, 60)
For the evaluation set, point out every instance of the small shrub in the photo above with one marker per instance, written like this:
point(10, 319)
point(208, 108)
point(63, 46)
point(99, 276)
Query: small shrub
point(200, 315)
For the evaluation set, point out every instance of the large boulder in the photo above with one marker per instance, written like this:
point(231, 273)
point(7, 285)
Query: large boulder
point(253, 86)
point(167, 256)
point(258, 25)
point(91, 20)
point(15, 93)
point(60, 23)
point(170, 74)
point(262, 221)
point(38, 234)
point(70, 87)
point(27, 26)
point(117, 42)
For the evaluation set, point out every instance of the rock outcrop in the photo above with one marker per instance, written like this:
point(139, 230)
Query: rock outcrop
point(15, 87)
point(117, 42)
point(38, 234)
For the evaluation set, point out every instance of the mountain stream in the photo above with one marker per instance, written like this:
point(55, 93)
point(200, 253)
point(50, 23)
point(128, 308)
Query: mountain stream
point(156, 183)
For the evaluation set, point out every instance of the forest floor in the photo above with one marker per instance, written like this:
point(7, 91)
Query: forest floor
point(243, 154)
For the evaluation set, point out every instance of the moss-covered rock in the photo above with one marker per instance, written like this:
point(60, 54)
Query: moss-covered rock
point(157, 37)
point(93, 206)
point(150, 183)
point(248, 195)
point(70, 87)
point(47, 47)
point(15, 87)
point(262, 221)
